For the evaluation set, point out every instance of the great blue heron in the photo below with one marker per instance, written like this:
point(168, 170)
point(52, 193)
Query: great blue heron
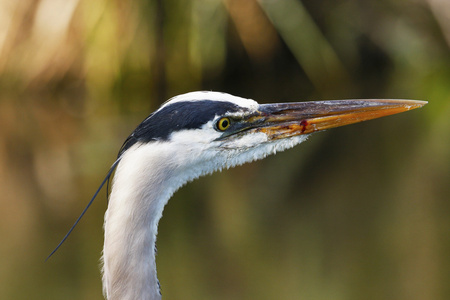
point(193, 135)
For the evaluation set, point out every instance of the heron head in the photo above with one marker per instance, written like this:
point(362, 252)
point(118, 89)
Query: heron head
point(208, 131)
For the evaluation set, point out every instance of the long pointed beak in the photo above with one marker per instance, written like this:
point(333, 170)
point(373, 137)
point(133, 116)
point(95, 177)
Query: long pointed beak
point(282, 120)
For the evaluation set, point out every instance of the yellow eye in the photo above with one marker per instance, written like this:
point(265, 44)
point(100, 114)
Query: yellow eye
point(223, 124)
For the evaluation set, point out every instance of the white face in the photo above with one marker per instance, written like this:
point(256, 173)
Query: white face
point(203, 151)
point(206, 137)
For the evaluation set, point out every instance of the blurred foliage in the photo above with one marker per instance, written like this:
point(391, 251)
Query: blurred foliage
point(355, 213)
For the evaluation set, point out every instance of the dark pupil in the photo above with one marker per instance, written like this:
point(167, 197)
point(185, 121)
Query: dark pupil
point(225, 123)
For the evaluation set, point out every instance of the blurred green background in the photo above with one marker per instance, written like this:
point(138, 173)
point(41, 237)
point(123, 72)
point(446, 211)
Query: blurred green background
point(359, 212)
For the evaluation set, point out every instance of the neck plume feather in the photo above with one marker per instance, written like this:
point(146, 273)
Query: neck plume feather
point(141, 188)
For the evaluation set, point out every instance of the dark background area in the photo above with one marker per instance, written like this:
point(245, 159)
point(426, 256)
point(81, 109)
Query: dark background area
point(359, 212)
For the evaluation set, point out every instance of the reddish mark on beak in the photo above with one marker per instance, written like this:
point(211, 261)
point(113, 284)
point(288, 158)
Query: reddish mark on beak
point(304, 124)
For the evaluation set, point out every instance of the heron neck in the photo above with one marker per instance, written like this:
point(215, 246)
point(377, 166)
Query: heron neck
point(141, 188)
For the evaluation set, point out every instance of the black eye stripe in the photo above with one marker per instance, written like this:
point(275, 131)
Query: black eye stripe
point(178, 116)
